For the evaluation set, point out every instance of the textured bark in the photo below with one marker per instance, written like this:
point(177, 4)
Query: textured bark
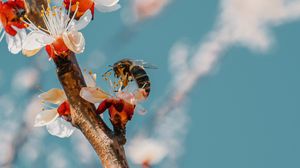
point(103, 140)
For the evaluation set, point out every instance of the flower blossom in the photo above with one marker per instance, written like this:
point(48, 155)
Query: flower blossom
point(61, 34)
point(11, 25)
point(146, 151)
point(149, 8)
point(120, 106)
point(85, 5)
point(57, 119)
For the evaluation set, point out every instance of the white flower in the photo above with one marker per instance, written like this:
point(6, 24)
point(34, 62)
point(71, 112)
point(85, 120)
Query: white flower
point(60, 128)
point(61, 32)
point(14, 42)
point(95, 94)
point(55, 125)
point(143, 150)
point(107, 5)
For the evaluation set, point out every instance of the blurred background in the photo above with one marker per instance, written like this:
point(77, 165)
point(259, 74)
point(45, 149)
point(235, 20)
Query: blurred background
point(225, 94)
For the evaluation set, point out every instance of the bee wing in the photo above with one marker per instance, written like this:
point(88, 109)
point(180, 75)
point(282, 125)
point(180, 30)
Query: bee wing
point(145, 64)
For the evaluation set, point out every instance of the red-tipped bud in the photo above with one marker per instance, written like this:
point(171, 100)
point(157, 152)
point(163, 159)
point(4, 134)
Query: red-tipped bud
point(83, 6)
point(11, 12)
point(64, 109)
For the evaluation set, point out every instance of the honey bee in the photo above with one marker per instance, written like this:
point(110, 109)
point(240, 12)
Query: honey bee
point(127, 70)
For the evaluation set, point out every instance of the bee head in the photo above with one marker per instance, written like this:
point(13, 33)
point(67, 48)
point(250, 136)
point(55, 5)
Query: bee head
point(118, 68)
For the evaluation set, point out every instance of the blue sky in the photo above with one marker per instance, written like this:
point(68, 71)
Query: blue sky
point(243, 114)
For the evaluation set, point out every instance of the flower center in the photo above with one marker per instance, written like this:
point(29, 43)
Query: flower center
point(59, 45)
point(56, 19)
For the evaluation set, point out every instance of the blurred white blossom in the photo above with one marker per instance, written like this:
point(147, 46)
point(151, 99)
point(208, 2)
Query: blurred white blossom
point(57, 159)
point(141, 10)
point(7, 105)
point(143, 150)
point(25, 79)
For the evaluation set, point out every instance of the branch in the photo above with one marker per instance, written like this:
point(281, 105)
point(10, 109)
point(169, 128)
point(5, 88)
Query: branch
point(84, 117)
point(102, 139)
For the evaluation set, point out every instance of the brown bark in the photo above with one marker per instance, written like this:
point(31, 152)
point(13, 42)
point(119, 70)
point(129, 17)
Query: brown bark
point(103, 140)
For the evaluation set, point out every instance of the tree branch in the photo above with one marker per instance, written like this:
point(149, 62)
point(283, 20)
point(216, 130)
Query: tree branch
point(104, 142)
point(84, 117)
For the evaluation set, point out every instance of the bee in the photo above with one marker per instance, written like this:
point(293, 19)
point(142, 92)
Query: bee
point(127, 70)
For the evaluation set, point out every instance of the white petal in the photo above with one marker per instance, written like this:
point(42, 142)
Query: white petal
point(14, 43)
point(90, 79)
point(102, 8)
point(2, 34)
point(60, 128)
point(107, 3)
point(140, 95)
point(22, 33)
point(45, 117)
point(82, 22)
point(55, 96)
point(93, 94)
point(127, 96)
point(30, 53)
point(75, 41)
point(36, 40)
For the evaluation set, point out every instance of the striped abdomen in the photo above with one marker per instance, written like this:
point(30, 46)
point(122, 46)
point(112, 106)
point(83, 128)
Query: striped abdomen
point(141, 78)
